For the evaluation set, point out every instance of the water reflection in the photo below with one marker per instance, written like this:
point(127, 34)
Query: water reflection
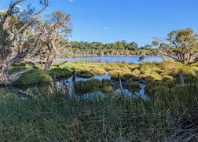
point(99, 94)
point(67, 86)
point(114, 59)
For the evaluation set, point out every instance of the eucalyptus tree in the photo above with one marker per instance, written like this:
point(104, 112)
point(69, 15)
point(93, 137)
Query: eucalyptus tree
point(180, 45)
point(16, 42)
point(54, 29)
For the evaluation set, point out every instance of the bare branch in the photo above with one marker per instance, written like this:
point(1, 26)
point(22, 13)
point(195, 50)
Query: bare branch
point(32, 18)
point(21, 55)
point(15, 76)
point(9, 12)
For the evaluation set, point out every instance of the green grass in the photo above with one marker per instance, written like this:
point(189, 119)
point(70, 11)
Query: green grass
point(150, 72)
point(169, 114)
point(60, 72)
point(58, 118)
point(92, 85)
point(34, 78)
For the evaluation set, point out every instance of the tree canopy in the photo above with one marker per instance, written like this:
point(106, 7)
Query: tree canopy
point(180, 45)
point(23, 32)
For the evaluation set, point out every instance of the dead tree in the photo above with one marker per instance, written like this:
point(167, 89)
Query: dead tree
point(16, 40)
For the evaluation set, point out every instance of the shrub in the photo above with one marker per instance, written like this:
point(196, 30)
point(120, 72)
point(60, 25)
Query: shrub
point(171, 67)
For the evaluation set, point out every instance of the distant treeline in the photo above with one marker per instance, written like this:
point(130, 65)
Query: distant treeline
point(115, 49)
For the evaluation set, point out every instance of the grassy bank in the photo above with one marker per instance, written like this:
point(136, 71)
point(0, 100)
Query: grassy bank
point(169, 115)
point(167, 71)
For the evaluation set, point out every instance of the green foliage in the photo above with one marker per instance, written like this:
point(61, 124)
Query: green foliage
point(167, 78)
point(13, 69)
point(93, 85)
point(83, 87)
point(133, 86)
point(34, 78)
point(100, 49)
point(85, 74)
point(98, 71)
point(107, 89)
point(119, 45)
point(165, 71)
point(60, 72)
point(152, 77)
point(165, 115)
point(168, 109)
point(181, 45)
point(171, 67)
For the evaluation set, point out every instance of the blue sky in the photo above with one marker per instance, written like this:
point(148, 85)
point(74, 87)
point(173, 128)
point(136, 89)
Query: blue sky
point(130, 20)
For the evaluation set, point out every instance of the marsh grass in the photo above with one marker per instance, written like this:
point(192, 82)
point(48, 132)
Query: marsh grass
point(34, 78)
point(170, 114)
point(59, 119)
point(92, 86)
point(150, 72)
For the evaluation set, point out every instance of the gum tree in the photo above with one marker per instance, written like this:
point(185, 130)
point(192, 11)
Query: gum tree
point(180, 45)
point(16, 40)
point(54, 29)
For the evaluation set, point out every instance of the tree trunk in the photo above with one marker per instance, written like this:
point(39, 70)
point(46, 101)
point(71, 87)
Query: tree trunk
point(3, 73)
point(48, 56)
point(3, 78)
point(6, 78)
point(49, 61)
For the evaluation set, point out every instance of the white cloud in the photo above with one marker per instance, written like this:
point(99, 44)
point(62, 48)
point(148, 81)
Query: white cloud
point(71, 1)
point(18, 6)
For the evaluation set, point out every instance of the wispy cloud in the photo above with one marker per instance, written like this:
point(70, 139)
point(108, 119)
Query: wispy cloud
point(18, 6)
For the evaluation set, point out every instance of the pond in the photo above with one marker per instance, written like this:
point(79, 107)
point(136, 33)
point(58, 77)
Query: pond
point(99, 94)
point(67, 86)
point(114, 59)
point(68, 83)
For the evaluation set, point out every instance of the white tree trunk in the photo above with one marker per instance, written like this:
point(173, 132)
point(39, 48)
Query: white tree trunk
point(6, 78)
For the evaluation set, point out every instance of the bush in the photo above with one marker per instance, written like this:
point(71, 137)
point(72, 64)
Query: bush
point(171, 67)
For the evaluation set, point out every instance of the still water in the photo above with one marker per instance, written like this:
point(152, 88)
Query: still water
point(106, 59)
point(92, 95)
point(114, 59)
